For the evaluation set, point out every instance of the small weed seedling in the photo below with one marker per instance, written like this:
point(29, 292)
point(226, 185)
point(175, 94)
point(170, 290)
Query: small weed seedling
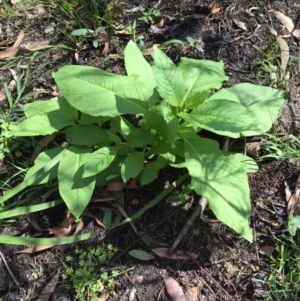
point(87, 276)
point(194, 44)
point(170, 106)
point(181, 195)
point(89, 33)
point(132, 30)
point(149, 14)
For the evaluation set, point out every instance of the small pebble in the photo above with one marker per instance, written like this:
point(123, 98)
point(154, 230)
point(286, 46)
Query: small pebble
point(50, 27)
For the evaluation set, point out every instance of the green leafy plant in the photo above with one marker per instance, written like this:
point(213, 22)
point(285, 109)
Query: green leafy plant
point(273, 147)
point(182, 194)
point(118, 127)
point(87, 275)
point(89, 32)
point(13, 113)
point(194, 44)
point(283, 281)
point(132, 30)
point(149, 14)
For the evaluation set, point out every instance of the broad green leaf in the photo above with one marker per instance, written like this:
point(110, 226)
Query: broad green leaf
point(222, 180)
point(111, 174)
point(141, 255)
point(169, 81)
point(265, 103)
point(201, 77)
point(99, 93)
point(132, 166)
point(40, 107)
point(45, 124)
point(122, 125)
point(160, 147)
point(139, 138)
point(138, 67)
point(169, 157)
point(67, 109)
point(75, 190)
point(87, 135)
point(87, 119)
point(161, 122)
point(45, 106)
point(113, 138)
point(125, 150)
point(249, 164)
point(35, 179)
point(221, 116)
point(150, 172)
point(41, 160)
point(99, 160)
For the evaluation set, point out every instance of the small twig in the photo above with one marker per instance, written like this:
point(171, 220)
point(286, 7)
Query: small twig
point(201, 204)
point(126, 216)
point(254, 239)
point(8, 270)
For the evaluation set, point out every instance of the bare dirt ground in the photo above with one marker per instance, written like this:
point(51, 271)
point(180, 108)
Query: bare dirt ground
point(227, 267)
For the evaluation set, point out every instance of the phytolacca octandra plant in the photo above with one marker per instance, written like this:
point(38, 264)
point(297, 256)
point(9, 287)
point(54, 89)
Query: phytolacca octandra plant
point(170, 106)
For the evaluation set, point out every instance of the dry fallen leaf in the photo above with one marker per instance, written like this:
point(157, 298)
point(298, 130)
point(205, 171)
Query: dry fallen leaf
point(252, 149)
point(193, 293)
point(215, 10)
point(86, 212)
point(288, 23)
point(174, 291)
point(133, 184)
point(240, 24)
point(2, 97)
point(135, 203)
point(285, 53)
point(37, 45)
point(150, 50)
point(103, 297)
point(158, 21)
point(34, 249)
point(116, 186)
point(163, 252)
point(47, 292)
point(105, 49)
point(19, 39)
point(266, 250)
point(293, 208)
point(249, 13)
